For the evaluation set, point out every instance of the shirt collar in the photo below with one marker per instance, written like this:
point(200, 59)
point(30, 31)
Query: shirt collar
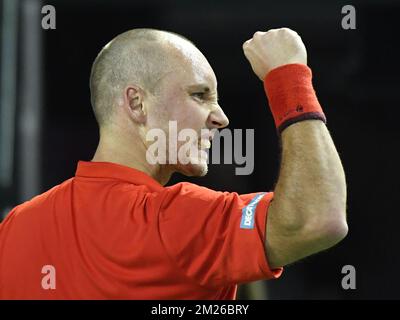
point(90, 169)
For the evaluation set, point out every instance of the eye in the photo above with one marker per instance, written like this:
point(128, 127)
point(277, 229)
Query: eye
point(198, 95)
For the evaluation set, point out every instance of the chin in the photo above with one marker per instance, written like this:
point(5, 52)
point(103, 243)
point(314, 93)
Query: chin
point(193, 170)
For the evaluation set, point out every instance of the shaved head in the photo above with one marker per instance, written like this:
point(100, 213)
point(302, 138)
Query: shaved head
point(140, 57)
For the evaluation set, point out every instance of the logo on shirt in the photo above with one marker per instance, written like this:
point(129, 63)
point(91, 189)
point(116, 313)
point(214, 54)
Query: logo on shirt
point(249, 212)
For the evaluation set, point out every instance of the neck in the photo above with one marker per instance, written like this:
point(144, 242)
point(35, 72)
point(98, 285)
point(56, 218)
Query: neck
point(130, 152)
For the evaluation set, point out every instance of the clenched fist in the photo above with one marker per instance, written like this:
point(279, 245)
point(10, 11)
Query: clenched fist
point(272, 49)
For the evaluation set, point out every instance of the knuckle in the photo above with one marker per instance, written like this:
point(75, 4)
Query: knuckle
point(258, 34)
point(286, 32)
point(289, 31)
point(246, 44)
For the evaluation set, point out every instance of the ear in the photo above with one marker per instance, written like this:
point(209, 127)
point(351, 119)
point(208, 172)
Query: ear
point(133, 97)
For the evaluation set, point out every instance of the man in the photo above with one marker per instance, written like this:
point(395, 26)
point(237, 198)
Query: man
point(113, 231)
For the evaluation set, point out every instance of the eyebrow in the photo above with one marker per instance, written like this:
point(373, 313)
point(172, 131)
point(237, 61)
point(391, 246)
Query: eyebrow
point(204, 88)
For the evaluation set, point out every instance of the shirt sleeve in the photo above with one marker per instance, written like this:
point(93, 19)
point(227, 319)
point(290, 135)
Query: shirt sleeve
point(216, 238)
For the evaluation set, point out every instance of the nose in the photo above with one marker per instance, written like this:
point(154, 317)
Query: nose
point(217, 119)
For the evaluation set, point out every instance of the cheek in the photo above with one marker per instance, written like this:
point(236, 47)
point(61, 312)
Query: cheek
point(159, 112)
point(157, 120)
point(187, 112)
point(192, 116)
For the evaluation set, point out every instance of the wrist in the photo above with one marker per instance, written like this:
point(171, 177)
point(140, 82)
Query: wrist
point(291, 95)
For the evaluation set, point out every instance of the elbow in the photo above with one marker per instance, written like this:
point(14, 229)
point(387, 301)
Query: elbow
point(335, 232)
point(331, 232)
point(312, 237)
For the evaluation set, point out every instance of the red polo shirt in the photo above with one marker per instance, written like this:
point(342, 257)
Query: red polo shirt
point(112, 232)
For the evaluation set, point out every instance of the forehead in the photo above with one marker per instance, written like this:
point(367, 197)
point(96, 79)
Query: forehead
point(191, 68)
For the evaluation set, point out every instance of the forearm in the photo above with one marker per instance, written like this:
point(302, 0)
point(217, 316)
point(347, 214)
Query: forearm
point(311, 188)
point(308, 213)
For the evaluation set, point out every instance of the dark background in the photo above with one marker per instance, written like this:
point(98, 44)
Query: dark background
point(356, 79)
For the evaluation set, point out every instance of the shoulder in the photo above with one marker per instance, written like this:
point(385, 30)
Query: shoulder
point(40, 199)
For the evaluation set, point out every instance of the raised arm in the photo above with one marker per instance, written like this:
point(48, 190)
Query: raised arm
point(308, 212)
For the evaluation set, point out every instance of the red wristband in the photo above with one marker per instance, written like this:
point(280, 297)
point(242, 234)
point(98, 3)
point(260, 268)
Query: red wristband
point(291, 95)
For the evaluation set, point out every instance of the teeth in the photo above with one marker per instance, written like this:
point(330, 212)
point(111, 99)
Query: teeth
point(205, 144)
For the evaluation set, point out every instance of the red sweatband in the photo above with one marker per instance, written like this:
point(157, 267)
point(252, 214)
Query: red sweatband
point(291, 95)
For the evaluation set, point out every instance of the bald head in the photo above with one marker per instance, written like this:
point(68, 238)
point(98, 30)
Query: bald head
point(139, 56)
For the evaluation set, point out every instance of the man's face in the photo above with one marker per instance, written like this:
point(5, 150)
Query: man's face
point(187, 99)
